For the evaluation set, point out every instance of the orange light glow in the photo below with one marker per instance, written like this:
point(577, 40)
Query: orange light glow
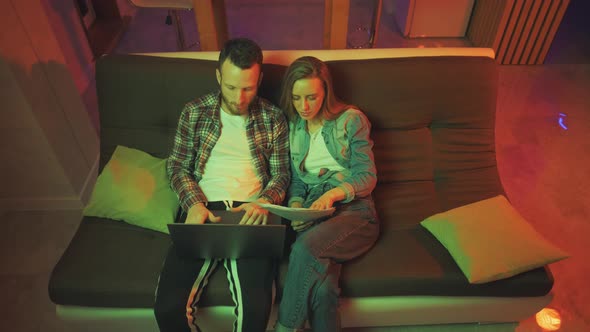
point(548, 319)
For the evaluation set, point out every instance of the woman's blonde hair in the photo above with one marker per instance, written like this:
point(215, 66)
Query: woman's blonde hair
point(304, 68)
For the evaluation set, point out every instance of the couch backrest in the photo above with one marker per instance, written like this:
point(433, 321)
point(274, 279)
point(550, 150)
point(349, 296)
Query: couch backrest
point(140, 98)
point(433, 125)
point(433, 120)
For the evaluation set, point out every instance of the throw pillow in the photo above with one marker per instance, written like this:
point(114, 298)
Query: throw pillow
point(133, 187)
point(490, 240)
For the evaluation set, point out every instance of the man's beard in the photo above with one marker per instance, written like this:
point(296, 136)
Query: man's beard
point(233, 108)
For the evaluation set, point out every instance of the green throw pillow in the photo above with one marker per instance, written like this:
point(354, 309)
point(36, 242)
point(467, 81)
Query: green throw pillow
point(133, 187)
point(490, 240)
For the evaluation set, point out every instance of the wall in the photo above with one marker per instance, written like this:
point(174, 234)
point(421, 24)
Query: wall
point(69, 32)
point(431, 18)
point(49, 147)
point(401, 10)
point(68, 29)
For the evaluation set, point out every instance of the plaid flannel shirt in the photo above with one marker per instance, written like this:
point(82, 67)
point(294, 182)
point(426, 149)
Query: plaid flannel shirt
point(199, 128)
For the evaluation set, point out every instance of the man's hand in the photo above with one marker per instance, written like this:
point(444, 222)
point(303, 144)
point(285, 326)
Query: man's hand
point(255, 215)
point(199, 213)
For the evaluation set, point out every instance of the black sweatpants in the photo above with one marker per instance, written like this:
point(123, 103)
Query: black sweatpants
point(183, 280)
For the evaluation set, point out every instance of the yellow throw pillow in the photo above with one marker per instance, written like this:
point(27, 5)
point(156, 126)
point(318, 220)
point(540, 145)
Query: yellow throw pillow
point(133, 187)
point(490, 240)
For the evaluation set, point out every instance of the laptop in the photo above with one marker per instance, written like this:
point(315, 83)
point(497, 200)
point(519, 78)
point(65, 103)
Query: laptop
point(228, 239)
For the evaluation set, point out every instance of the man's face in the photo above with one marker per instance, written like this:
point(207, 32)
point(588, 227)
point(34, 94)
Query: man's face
point(238, 86)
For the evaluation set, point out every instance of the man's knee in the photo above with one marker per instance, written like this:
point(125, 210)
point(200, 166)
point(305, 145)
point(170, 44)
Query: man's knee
point(169, 312)
point(257, 302)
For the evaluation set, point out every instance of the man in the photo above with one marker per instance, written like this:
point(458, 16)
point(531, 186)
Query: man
point(230, 152)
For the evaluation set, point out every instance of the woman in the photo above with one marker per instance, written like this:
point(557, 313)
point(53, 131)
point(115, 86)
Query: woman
point(332, 166)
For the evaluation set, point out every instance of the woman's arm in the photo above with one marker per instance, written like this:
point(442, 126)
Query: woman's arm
point(278, 161)
point(297, 189)
point(363, 173)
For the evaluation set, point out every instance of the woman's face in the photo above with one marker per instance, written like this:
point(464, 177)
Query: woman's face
point(308, 97)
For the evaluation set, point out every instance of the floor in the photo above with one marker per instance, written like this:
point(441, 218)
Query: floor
point(543, 164)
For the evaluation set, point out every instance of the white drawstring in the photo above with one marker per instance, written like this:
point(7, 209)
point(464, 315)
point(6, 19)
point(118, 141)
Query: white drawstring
point(228, 204)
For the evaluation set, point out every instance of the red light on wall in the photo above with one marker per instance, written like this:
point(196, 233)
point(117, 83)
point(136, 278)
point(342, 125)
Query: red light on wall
point(548, 319)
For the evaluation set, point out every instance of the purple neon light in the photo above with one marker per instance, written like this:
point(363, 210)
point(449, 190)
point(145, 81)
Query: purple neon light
point(560, 121)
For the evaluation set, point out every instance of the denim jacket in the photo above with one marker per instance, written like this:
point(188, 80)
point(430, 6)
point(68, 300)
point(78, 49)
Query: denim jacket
point(347, 139)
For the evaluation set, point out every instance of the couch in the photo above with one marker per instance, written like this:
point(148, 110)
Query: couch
point(433, 113)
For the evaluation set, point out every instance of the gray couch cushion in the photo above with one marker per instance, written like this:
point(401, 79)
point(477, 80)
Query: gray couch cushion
point(433, 120)
point(113, 264)
point(412, 262)
point(109, 263)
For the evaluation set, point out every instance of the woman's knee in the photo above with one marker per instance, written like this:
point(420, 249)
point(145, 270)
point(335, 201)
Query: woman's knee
point(302, 248)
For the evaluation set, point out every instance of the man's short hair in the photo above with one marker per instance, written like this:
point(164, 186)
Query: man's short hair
point(242, 52)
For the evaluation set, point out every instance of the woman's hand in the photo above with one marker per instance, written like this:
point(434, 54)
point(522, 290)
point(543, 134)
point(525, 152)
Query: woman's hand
point(328, 199)
point(299, 226)
point(296, 205)
point(324, 202)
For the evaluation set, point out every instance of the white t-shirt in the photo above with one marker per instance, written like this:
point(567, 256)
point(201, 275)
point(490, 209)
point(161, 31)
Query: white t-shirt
point(230, 173)
point(318, 156)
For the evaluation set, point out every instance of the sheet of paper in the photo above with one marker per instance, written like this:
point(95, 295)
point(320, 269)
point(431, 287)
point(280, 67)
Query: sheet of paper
point(298, 214)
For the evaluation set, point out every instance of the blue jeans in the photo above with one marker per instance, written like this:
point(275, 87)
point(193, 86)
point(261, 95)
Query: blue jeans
point(311, 288)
